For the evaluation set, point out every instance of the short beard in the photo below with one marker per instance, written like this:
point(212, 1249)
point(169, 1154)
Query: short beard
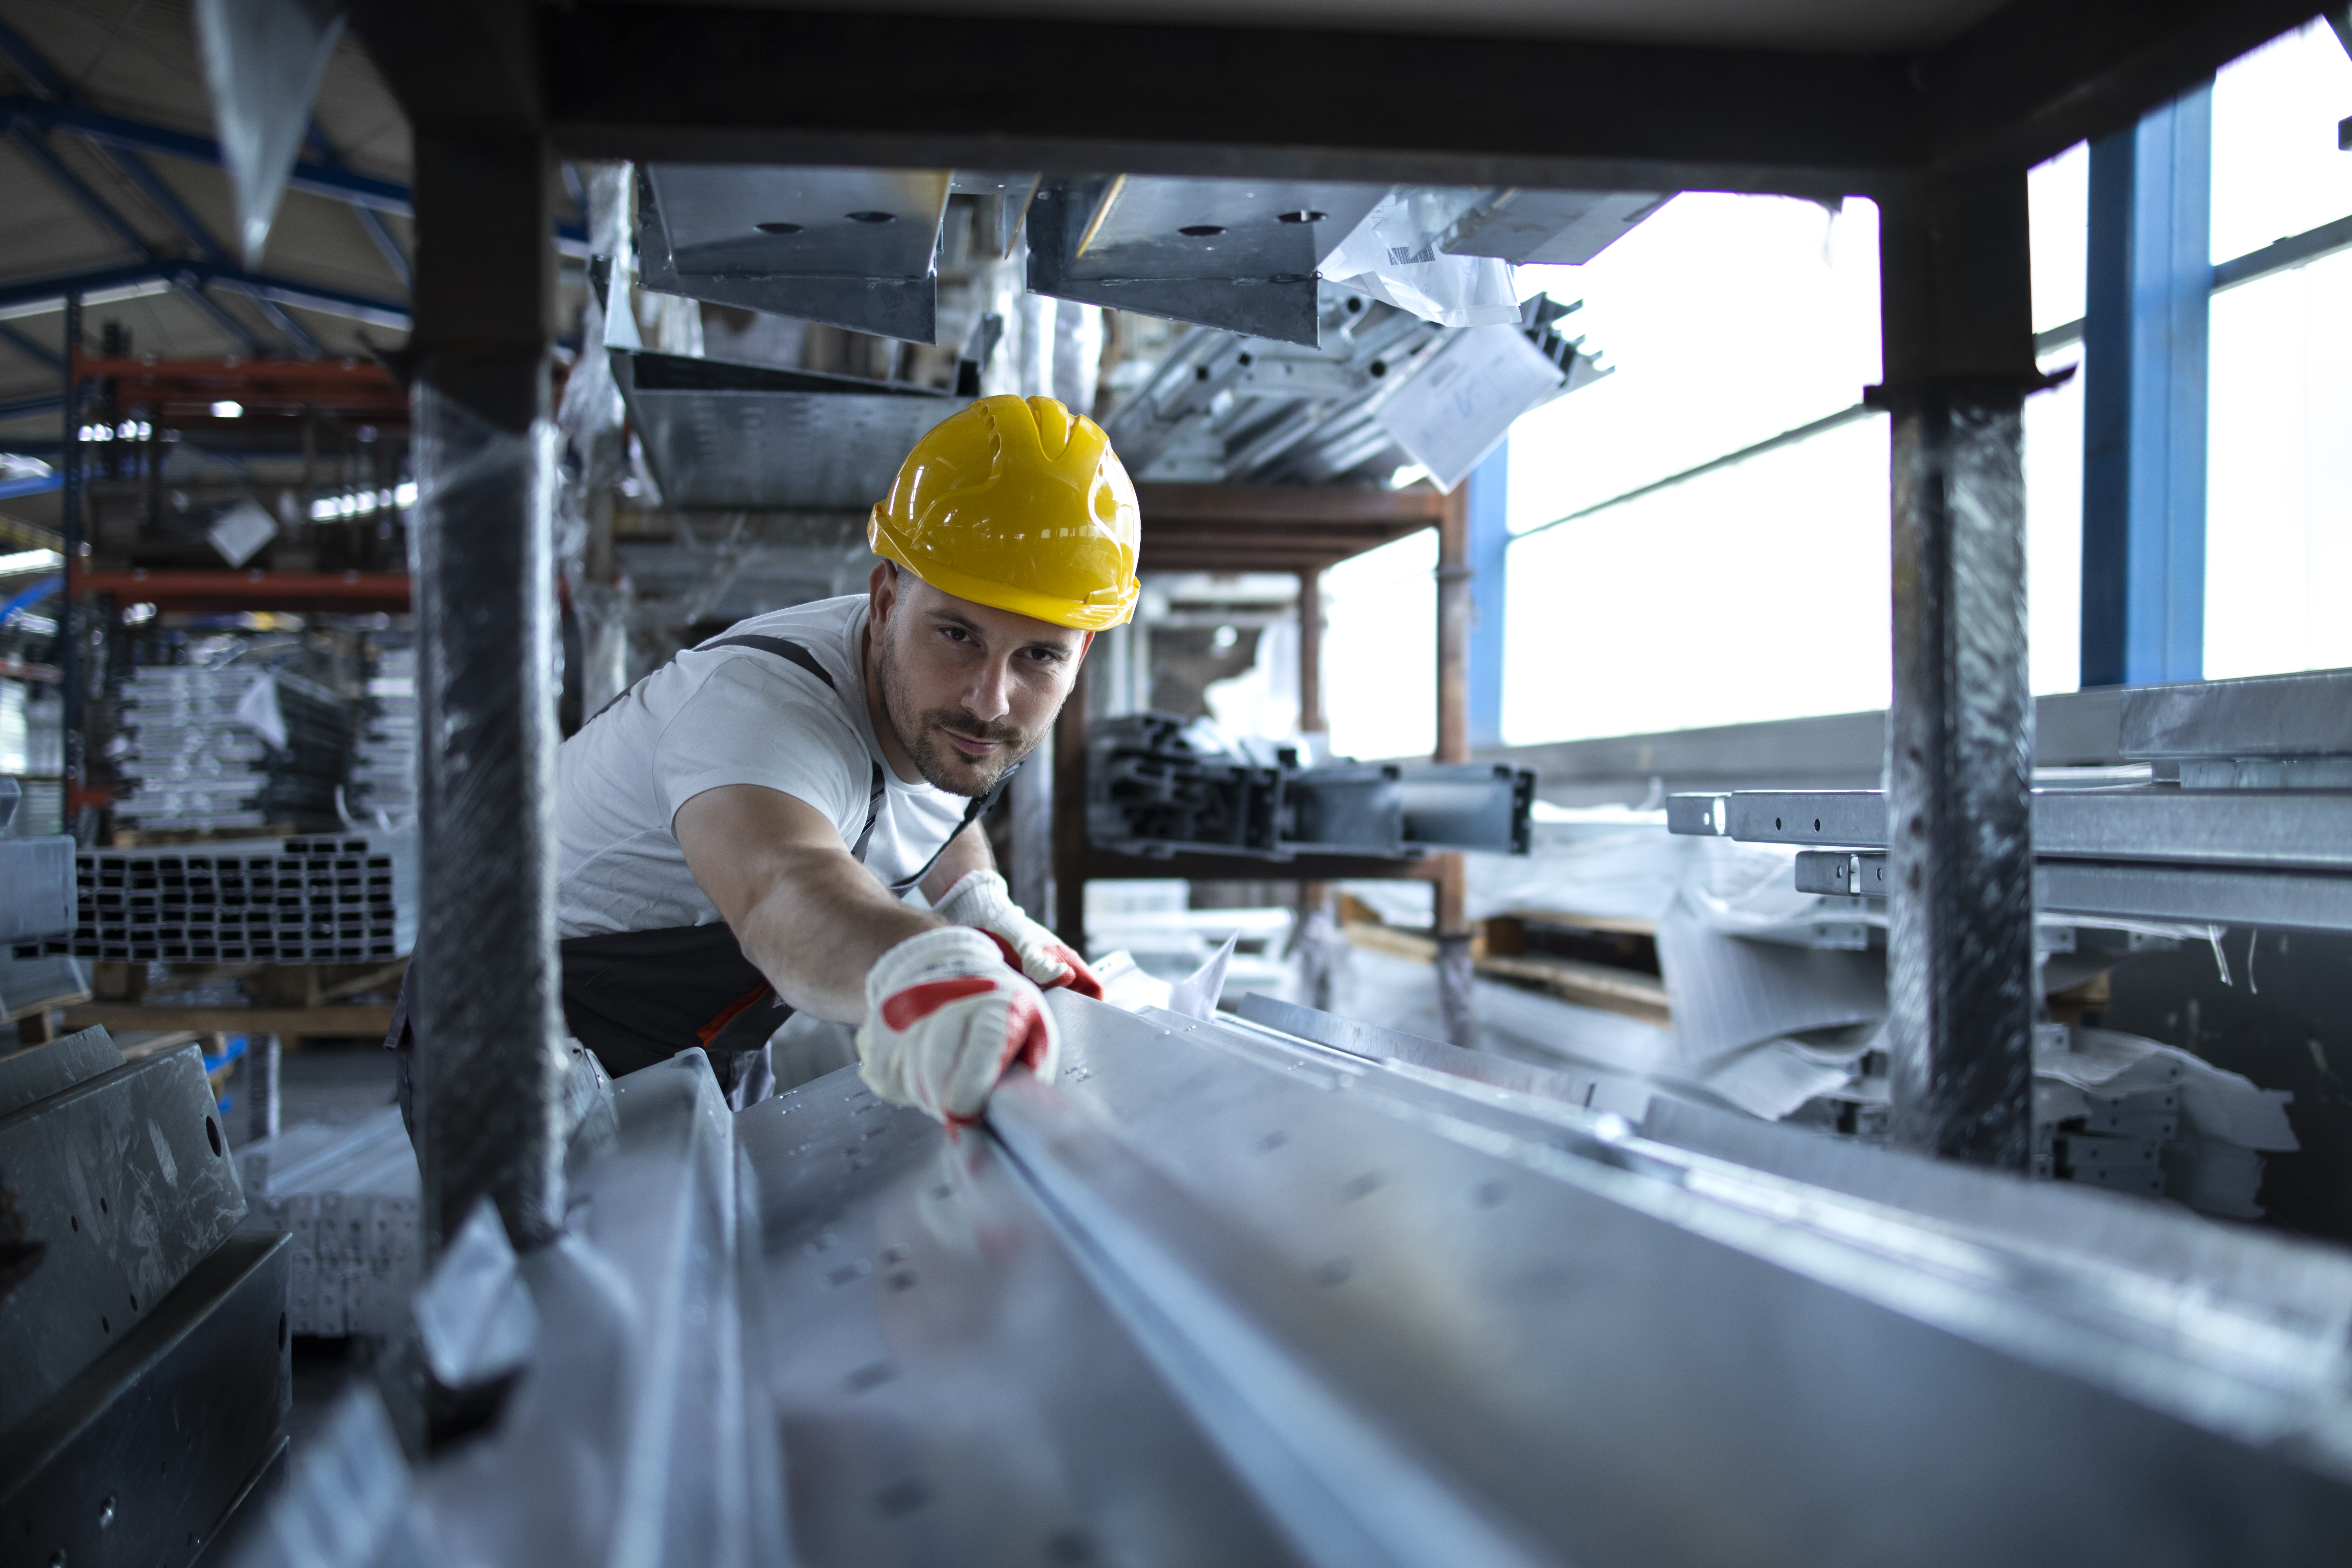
point(942, 766)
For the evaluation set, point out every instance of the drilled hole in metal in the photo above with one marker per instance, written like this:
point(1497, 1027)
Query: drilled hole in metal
point(1303, 215)
point(777, 227)
point(872, 217)
point(1202, 230)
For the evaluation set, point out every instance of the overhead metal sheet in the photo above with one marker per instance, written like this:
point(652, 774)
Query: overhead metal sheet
point(741, 437)
point(1557, 228)
point(1236, 254)
point(852, 247)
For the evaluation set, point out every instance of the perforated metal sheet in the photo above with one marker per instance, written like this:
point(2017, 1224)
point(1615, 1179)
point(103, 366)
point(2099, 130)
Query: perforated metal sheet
point(768, 442)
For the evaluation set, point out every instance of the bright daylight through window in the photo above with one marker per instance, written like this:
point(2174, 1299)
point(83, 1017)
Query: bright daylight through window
point(1644, 596)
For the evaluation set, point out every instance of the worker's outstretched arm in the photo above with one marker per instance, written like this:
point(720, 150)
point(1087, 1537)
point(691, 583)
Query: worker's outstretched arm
point(804, 912)
point(942, 1015)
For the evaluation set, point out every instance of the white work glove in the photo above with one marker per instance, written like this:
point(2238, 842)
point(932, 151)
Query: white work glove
point(979, 899)
point(945, 1019)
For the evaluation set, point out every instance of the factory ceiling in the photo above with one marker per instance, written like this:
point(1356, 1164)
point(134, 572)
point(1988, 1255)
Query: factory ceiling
point(108, 175)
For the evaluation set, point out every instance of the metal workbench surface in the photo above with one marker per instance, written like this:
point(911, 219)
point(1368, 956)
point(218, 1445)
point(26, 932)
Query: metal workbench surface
point(1226, 1294)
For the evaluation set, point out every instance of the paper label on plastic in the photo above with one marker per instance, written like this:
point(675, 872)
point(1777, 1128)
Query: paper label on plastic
point(1461, 405)
point(241, 531)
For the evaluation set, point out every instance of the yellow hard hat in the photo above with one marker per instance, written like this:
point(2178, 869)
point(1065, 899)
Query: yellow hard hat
point(1017, 504)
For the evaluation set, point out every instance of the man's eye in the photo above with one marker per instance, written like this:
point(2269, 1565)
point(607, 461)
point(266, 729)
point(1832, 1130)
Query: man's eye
point(956, 634)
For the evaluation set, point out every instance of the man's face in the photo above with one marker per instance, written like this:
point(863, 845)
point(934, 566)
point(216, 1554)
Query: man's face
point(968, 691)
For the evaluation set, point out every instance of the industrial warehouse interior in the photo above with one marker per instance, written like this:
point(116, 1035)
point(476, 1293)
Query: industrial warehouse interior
point(1334, 783)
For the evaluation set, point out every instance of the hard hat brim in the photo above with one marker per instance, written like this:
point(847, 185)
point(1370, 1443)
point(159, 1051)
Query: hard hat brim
point(1077, 614)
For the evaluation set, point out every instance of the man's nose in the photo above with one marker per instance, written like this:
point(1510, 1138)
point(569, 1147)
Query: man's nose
point(990, 697)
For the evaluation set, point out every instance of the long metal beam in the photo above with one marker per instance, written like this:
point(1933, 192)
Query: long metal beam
point(137, 136)
point(772, 84)
point(31, 348)
point(35, 295)
point(708, 82)
point(2038, 76)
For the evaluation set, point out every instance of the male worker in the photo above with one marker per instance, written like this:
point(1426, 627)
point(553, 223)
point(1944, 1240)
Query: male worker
point(737, 831)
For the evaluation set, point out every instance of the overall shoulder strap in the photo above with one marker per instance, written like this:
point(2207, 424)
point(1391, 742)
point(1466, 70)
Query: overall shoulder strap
point(783, 648)
point(972, 814)
point(780, 647)
point(787, 649)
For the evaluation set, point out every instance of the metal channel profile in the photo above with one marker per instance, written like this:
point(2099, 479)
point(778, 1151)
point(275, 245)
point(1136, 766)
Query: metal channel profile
point(126, 1182)
point(1347, 1493)
point(1567, 1335)
point(731, 436)
point(36, 887)
point(2228, 895)
point(850, 247)
point(2155, 822)
point(948, 1387)
point(141, 1458)
point(2305, 714)
point(1470, 806)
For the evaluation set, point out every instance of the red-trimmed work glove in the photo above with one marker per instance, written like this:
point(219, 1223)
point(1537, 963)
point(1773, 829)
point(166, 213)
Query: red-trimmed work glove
point(979, 899)
point(945, 1019)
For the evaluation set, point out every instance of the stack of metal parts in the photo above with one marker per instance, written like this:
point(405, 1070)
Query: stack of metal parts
point(1285, 1289)
point(2236, 809)
point(345, 1195)
point(1224, 408)
point(338, 899)
point(382, 782)
point(231, 747)
point(144, 1376)
point(861, 248)
point(1158, 784)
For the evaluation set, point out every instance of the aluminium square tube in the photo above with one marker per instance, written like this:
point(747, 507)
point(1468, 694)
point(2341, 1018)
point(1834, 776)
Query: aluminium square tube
point(488, 1031)
point(1957, 328)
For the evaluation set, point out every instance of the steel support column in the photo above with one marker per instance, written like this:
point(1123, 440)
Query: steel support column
point(69, 675)
point(1958, 329)
point(1311, 721)
point(1489, 547)
point(2145, 333)
point(1453, 606)
point(486, 1006)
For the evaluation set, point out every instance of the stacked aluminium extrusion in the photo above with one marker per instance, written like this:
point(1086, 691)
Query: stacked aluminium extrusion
point(332, 899)
point(1158, 784)
point(347, 1194)
point(384, 761)
point(231, 747)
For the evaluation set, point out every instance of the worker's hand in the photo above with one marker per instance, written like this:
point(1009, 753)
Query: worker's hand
point(944, 1020)
point(979, 899)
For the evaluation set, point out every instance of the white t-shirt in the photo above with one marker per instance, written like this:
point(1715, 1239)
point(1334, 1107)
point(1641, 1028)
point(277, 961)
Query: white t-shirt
point(728, 716)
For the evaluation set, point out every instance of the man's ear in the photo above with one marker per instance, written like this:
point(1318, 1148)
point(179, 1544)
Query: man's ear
point(882, 590)
point(1086, 642)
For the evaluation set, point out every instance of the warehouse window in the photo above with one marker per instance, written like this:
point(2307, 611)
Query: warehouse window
point(1380, 645)
point(2278, 568)
point(1745, 329)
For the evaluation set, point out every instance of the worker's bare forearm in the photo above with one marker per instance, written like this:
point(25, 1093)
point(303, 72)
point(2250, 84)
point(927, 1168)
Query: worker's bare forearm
point(817, 927)
point(806, 914)
point(968, 853)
